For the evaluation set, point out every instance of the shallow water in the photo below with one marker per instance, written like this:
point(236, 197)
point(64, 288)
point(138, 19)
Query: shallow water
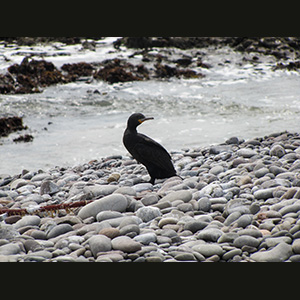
point(71, 124)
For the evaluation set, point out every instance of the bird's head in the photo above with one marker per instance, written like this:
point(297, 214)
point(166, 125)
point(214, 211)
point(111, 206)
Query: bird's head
point(136, 119)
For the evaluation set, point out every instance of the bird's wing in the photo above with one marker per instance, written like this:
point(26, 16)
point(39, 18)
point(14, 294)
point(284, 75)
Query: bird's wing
point(149, 150)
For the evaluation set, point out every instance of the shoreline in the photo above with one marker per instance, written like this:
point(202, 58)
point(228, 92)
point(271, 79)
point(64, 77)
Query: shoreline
point(238, 201)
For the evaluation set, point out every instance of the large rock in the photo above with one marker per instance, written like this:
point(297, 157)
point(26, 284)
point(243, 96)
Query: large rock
point(115, 202)
point(279, 253)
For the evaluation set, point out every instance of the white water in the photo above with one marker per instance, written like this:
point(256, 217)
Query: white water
point(234, 99)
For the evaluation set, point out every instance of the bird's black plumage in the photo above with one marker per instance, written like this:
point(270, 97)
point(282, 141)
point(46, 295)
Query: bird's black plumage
point(145, 150)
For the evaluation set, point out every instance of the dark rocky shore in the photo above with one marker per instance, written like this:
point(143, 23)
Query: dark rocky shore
point(237, 201)
point(32, 75)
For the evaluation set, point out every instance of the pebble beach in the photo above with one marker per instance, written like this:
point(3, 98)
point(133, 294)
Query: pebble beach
point(237, 201)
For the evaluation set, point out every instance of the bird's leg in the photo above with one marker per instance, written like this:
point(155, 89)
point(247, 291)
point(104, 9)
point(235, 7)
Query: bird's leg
point(152, 180)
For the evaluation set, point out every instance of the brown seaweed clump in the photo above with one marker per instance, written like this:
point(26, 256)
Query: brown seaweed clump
point(29, 76)
point(10, 124)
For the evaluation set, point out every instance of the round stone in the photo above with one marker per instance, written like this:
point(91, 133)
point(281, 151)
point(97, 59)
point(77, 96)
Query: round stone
point(125, 244)
point(148, 213)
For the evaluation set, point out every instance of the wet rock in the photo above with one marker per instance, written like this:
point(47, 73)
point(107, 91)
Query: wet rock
point(117, 70)
point(10, 124)
point(32, 74)
point(78, 69)
point(26, 138)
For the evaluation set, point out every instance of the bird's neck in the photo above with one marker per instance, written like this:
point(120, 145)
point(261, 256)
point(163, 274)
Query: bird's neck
point(131, 130)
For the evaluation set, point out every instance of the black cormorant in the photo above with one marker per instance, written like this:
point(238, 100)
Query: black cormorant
point(145, 150)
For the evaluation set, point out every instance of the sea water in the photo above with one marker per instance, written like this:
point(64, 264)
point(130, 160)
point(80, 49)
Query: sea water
point(84, 120)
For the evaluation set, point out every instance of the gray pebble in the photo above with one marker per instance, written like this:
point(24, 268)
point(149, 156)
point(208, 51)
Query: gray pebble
point(204, 204)
point(99, 243)
point(9, 249)
point(210, 234)
point(183, 195)
point(99, 190)
point(148, 213)
point(244, 220)
point(27, 220)
point(116, 202)
point(125, 244)
point(150, 199)
point(145, 238)
point(58, 230)
point(247, 240)
point(264, 194)
point(8, 232)
point(246, 152)
point(185, 256)
point(230, 254)
point(130, 230)
point(279, 253)
point(208, 249)
point(278, 151)
point(195, 225)
point(108, 214)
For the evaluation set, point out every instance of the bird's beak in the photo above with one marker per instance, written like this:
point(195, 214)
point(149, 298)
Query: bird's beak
point(145, 119)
